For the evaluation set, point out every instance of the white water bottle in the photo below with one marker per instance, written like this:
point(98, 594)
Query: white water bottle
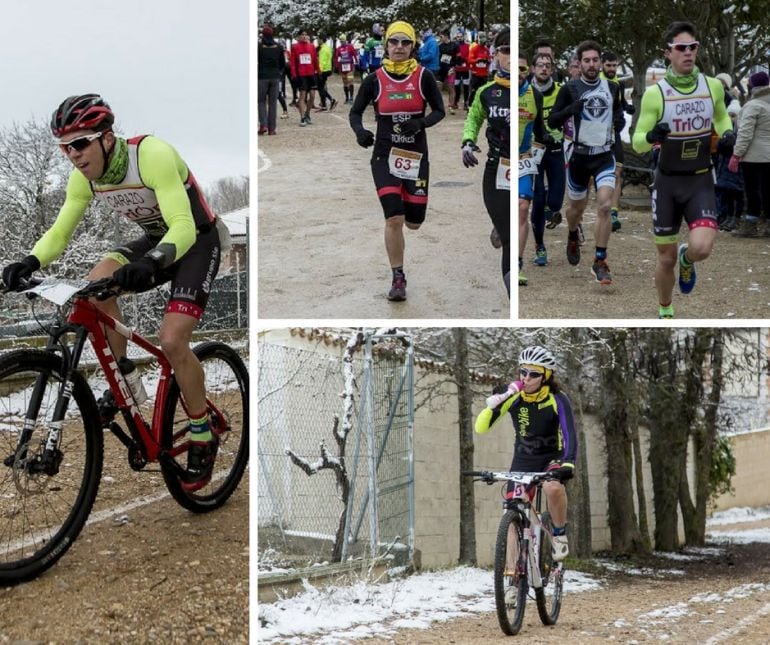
point(134, 379)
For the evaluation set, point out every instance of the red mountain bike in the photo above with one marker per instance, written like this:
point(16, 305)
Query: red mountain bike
point(52, 429)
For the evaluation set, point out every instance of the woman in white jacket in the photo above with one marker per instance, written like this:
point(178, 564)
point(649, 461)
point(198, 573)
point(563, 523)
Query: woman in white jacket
point(752, 151)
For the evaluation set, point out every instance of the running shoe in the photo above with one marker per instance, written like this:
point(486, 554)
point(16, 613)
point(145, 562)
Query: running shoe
point(262, 130)
point(560, 547)
point(686, 271)
point(573, 252)
point(494, 238)
point(398, 288)
point(333, 105)
point(307, 120)
point(271, 131)
point(601, 272)
point(554, 220)
point(451, 110)
point(615, 221)
point(522, 278)
point(285, 115)
point(581, 235)
point(302, 123)
point(541, 255)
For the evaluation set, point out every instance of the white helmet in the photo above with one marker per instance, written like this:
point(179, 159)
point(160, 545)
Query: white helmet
point(536, 355)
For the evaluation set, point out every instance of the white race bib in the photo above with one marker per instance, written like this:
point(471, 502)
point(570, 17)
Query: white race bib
point(593, 133)
point(527, 166)
point(305, 59)
point(346, 67)
point(446, 59)
point(503, 177)
point(379, 51)
point(404, 164)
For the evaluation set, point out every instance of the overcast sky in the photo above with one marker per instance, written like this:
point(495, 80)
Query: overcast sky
point(177, 69)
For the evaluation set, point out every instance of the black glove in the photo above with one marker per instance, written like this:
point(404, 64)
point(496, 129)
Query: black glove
point(577, 107)
point(365, 138)
point(137, 276)
point(659, 133)
point(15, 272)
point(728, 139)
point(413, 126)
point(630, 108)
point(548, 140)
point(563, 473)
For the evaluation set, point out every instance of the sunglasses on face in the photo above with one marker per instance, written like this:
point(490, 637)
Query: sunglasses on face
point(80, 143)
point(523, 69)
point(524, 373)
point(685, 47)
point(397, 41)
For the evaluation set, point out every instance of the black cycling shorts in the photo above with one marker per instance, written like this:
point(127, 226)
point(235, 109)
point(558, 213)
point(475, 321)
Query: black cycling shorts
point(675, 197)
point(306, 83)
point(191, 275)
point(401, 196)
point(581, 168)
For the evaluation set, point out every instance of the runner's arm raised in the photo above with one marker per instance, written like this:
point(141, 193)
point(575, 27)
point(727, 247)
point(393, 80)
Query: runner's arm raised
point(163, 170)
point(55, 239)
point(651, 111)
point(489, 417)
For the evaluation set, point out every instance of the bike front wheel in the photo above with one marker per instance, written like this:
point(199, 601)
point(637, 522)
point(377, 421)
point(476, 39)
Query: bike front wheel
point(45, 494)
point(227, 389)
point(510, 581)
point(548, 597)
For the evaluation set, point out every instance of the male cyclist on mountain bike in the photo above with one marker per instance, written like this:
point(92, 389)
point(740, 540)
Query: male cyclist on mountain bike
point(545, 436)
point(145, 180)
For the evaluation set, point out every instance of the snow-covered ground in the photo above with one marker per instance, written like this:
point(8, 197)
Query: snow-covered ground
point(343, 614)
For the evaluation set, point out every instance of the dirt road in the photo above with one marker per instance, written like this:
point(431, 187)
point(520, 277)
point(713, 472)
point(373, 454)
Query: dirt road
point(712, 600)
point(320, 230)
point(734, 283)
point(153, 573)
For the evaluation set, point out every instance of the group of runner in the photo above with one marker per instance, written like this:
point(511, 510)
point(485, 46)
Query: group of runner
point(569, 134)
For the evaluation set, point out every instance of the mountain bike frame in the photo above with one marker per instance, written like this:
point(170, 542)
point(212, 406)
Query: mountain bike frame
point(521, 502)
point(87, 322)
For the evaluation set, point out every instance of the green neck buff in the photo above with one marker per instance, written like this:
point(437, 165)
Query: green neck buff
point(682, 81)
point(118, 163)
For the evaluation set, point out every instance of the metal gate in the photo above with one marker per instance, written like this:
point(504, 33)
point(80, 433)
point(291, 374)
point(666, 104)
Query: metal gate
point(299, 399)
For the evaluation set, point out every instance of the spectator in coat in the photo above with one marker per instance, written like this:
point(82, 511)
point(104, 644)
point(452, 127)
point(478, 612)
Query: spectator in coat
point(729, 184)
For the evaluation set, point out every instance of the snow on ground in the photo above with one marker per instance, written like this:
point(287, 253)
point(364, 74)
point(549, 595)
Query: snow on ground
point(343, 614)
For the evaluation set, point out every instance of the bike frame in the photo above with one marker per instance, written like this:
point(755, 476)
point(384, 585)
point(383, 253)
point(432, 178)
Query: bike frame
point(88, 322)
point(532, 530)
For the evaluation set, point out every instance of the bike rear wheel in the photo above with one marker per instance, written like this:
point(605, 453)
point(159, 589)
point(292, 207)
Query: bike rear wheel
point(45, 497)
point(227, 387)
point(510, 590)
point(552, 573)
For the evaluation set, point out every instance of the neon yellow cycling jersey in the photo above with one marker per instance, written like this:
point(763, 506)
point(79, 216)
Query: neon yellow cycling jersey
point(158, 192)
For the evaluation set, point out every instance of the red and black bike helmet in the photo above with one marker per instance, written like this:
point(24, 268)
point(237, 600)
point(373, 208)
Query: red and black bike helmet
point(82, 112)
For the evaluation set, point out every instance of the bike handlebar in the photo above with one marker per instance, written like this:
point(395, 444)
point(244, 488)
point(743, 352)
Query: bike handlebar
point(101, 289)
point(529, 479)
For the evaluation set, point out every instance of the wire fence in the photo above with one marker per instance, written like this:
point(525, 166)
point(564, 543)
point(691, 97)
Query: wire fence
point(299, 394)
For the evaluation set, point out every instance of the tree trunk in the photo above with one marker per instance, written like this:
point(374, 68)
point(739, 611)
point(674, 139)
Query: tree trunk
point(465, 421)
point(578, 493)
point(624, 531)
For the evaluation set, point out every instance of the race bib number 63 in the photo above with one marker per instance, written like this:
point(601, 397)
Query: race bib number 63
point(404, 164)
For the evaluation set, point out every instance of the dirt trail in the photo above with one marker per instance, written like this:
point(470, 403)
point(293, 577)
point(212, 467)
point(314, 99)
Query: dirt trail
point(320, 231)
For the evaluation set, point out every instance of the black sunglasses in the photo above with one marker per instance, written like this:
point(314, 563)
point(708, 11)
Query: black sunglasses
point(81, 143)
point(532, 373)
point(397, 41)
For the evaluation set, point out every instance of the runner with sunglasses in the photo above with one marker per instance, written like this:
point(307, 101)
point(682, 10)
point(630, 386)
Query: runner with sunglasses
point(679, 112)
point(145, 180)
point(400, 91)
point(544, 431)
point(493, 104)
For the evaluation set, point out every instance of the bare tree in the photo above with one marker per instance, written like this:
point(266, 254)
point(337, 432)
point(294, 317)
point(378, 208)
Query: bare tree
point(228, 194)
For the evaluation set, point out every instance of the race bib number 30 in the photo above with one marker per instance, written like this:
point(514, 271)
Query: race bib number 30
point(503, 177)
point(527, 166)
point(404, 164)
